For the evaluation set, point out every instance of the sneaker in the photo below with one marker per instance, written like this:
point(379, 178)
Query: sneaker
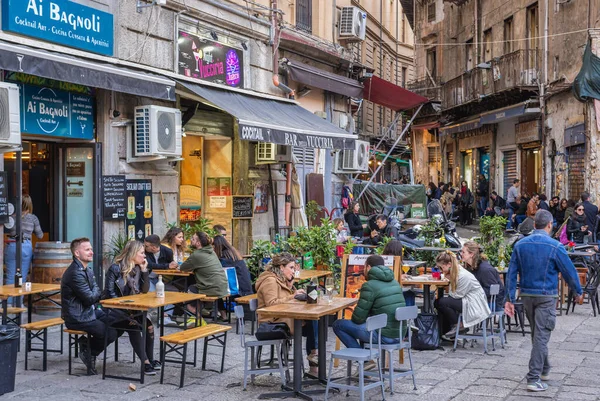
point(451, 333)
point(545, 377)
point(149, 370)
point(313, 359)
point(156, 365)
point(537, 386)
point(84, 355)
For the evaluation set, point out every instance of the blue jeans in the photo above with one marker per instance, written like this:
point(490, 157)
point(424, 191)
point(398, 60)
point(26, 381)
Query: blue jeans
point(351, 333)
point(409, 297)
point(520, 218)
point(510, 215)
point(10, 259)
point(311, 331)
point(482, 206)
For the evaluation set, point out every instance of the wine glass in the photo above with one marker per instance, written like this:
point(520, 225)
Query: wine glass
point(329, 283)
point(405, 268)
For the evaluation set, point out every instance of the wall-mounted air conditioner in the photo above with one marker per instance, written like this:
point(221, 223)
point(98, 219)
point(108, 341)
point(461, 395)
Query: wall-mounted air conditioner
point(529, 77)
point(352, 160)
point(10, 116)
point(353, 24)
point(157, 132)
point(271, 153)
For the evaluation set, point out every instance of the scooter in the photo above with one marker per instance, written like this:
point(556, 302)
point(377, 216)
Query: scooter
point(436, 211)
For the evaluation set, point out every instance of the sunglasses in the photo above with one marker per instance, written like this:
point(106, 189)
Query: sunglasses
point(580, 210)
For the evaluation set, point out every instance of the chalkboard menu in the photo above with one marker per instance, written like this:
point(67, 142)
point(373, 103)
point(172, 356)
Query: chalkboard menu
point(3, 197)
point(242, 207)
point(113, 195)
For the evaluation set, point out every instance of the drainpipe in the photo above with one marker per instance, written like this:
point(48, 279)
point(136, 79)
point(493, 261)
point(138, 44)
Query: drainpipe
point(543, 101)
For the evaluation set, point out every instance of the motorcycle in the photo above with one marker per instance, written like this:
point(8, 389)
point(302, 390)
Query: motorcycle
point(436, 211)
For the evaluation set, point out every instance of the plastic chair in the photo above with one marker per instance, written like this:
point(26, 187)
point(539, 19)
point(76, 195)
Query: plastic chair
point(486, 327)
point(361, 356)
point(252, 346)
point(405, 315)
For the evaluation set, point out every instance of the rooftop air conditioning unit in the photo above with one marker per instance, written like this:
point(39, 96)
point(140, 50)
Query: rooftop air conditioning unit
point(157, 132)
point(353, 24)
point(353, 160)
point(10, 115)
point(271, 153)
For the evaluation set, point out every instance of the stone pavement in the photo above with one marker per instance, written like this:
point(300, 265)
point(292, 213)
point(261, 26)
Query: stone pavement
point(466, 374)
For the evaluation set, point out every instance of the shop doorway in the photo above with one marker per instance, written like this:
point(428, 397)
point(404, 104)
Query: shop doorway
point(467, 168)
point(531, 171)
point(484, 163)
point(60, 178)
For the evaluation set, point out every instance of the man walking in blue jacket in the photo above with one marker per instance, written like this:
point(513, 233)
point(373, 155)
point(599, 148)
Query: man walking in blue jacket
point(537, 260)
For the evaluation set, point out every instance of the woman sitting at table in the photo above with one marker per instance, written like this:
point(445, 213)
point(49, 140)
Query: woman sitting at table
point(175, 240)
point(276, 286)
point(477, 263)
point(576, 228)
point(341, 235)
point(464, 296)
point(129, 276)
point(230, 257)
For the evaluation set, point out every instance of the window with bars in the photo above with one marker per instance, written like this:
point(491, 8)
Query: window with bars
point(431, 11)
point(304, 15)
point(576, 170)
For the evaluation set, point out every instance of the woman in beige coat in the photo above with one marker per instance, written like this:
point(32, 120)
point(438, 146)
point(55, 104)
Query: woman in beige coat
point(276, 286)
point(465, 296)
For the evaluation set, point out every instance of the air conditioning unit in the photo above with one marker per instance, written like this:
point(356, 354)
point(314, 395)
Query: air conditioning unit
point(157, 132)
point(529, 77)
point(353, 160)
point(271, 153)
point(10, 115)
point(353, 24)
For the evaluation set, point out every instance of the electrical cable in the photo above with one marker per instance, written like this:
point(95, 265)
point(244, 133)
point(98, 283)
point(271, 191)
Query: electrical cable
point(147, 34)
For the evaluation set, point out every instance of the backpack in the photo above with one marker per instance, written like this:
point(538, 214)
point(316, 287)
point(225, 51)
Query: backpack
point(346, 197)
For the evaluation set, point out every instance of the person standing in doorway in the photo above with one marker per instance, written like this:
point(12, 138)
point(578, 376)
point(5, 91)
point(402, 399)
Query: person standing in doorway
point(29, 225)
point(483, 190)
point(536, 261)
point(591, 211)
point(511, 198)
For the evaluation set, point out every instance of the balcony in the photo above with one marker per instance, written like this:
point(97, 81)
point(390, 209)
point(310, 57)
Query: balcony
point(426, 88)
point(516, 70)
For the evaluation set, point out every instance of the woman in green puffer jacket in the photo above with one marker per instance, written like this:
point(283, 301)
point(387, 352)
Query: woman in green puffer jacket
point(381, 293)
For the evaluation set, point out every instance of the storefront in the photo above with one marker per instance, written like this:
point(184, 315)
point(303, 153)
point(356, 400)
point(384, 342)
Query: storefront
point(529, 139)
point(474, 147)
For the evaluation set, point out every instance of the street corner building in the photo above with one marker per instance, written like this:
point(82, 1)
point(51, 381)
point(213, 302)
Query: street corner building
point(126, 117)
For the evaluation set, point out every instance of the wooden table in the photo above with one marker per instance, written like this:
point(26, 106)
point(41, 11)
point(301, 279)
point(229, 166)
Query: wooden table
point(436, 249)
point(178, 276)
point(427, 283)
point(300, 311)
point(42, 290)
point(142, 303)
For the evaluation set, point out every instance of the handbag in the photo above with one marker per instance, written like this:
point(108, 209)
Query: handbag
point(428, 336)
point(273, 331)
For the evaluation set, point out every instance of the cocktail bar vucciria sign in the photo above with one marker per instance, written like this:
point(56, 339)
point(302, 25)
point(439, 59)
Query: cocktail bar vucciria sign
point(60, 21)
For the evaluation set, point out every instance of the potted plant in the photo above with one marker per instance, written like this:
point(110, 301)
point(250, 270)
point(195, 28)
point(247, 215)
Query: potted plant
point(260, 254)
point(322, 244)
point(114, 246)
point(492, 240)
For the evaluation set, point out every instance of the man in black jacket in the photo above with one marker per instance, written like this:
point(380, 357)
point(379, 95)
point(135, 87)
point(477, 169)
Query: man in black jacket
point(157, 255)
point(384, 230)
point(591, 210)
point(79, 293)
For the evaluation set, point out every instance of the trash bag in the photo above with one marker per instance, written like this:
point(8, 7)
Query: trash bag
point(9, 332)
point(428, 336)
point(9, 343)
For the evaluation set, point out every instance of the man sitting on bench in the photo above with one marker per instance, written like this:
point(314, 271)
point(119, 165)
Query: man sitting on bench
point(79, 293)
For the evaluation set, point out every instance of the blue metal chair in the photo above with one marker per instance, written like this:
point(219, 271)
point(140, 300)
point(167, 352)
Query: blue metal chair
point(485, 330)
point(252, 346)
point(361, 356)
point(405, 315)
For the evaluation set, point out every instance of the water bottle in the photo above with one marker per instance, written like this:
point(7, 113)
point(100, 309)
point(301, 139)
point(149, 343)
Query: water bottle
point(160, 288)
point(311, 292)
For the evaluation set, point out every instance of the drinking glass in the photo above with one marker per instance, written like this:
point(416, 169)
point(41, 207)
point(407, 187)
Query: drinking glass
point(329, 285)
point(405, 268)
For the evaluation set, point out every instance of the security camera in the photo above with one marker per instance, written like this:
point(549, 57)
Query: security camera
point(114, 113)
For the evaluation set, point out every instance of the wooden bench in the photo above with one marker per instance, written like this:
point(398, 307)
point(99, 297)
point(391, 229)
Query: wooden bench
point(39, 330)
point(74, 336)
point(177, 343)
point(245, 300)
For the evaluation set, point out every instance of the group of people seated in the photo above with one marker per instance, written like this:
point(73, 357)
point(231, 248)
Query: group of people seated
point(132, 273)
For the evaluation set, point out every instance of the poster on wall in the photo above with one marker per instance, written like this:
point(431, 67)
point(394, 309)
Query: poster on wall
point(218, 186)
point(261, 198)
point(138, 217)
point(190, 203)
point(209, 60)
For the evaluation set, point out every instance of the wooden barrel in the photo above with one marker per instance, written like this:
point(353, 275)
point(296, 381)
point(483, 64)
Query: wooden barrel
point(50, 260)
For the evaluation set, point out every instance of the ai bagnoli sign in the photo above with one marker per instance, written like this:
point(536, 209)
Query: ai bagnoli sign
point(60, 21)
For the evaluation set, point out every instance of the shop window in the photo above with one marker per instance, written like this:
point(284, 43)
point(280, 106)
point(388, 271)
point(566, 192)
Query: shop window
point(304, 15)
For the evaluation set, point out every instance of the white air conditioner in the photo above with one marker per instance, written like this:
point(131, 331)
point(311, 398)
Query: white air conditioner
point(157, 132)
point(10, 115)
point(271, 153)
point(529, 77)
point(353, 24)
point(353, 160)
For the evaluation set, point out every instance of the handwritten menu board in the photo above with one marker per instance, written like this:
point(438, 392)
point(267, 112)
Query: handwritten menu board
point(242, 207)
point(3, 197)
point(113, 195)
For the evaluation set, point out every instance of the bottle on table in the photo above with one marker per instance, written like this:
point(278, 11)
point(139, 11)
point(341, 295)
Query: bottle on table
point(311, 292)
point(18, 278)
point(160, 288)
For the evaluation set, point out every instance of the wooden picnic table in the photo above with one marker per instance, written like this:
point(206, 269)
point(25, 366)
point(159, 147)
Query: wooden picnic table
point(39, 289)
point(436, 249)
point(306, 274)
point(142, 303)
point(427, 282)
point(300, 311)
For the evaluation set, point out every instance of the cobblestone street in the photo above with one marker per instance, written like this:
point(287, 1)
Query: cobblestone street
point(466, 374)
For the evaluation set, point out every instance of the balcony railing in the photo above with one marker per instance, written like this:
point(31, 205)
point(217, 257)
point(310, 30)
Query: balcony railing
point(514, 70)
point(427, 88)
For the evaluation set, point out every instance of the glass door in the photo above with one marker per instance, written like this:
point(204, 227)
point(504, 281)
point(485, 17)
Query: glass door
point(79, 196)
